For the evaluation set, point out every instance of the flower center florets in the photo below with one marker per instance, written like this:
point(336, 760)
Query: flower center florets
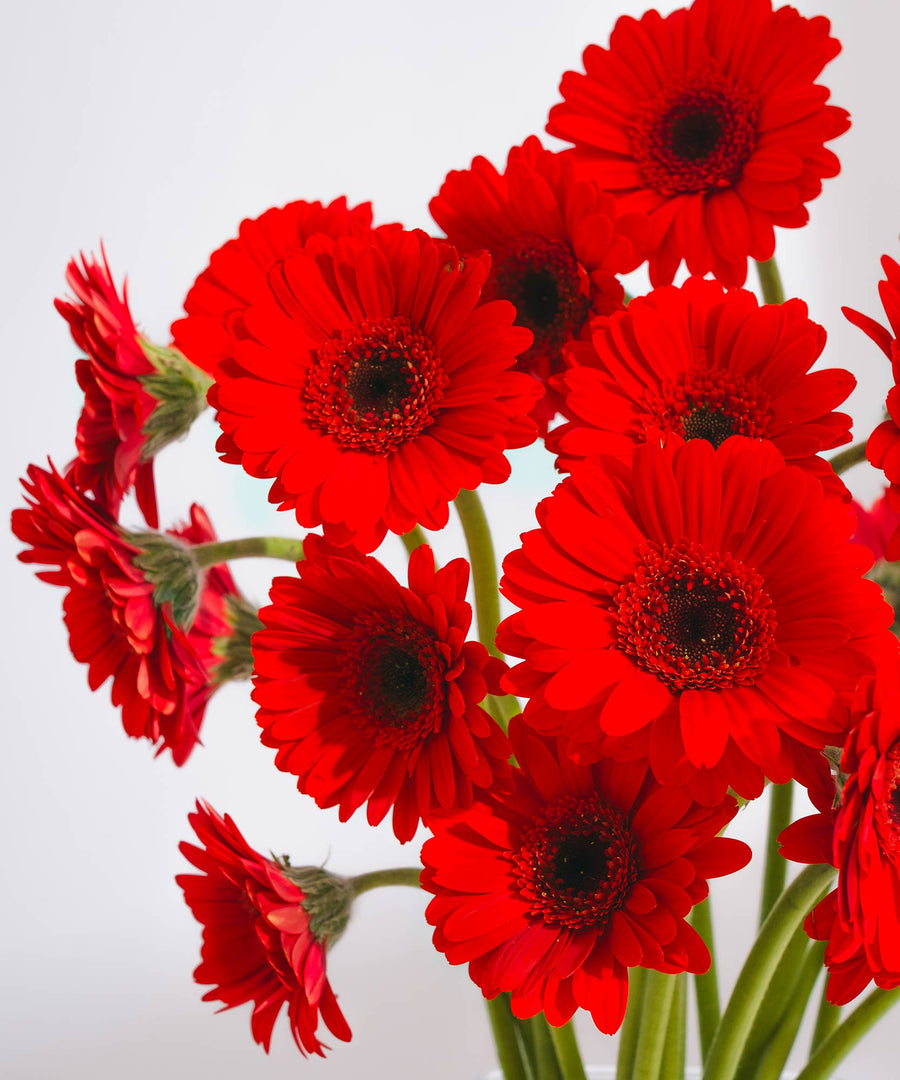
point(375, 386)
point(710, 404)
point(698, 134)
point(696, 619)
point(576, 864)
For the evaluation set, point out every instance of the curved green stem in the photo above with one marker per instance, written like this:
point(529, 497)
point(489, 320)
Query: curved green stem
point(271, 547)
point(676, 1034)
point(545, 1064)
point(567, 1052)
point(770, 280)
point(777, 931)
point(503, 1028)
point(846, 459)
point(631, 1025)
point(413, 539)
point(842, 1040)
point(706, 987)
point(376, 879)
point(781, 801)
point(484, 566)
point(659, 989)
point(827, 1019)
point(778, 1047)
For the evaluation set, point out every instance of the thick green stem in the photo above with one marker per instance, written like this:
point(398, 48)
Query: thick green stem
point(484, 566)
point(770, 279)
point(271, 547)
point(778, 1047)
point(413, 539)
point(737, 1020)
point(827, 1019)
point(503, 1027)
point(781, 801)
point(844, 1037)
point(706, 986)
point(375, 879)
point(631, 1025)
point(659, 990)
point(676, 1034)
point(567, 1053)
point(546, 1067)
point(846, 459)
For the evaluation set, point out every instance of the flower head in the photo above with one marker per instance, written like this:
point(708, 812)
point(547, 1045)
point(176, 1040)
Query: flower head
point(710, 121)
point(372, 385)
point(370, 692)
point(261, 942)
point(699, 606)
point(551, 892)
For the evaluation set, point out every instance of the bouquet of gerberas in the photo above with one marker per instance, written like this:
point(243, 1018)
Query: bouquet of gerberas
point(694, 618)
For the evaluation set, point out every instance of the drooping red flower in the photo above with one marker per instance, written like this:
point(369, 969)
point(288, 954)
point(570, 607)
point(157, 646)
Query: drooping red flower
point(238, 272)
point(700, 362)
point(115, 626)
point(373, 385)
point(110, 436)
point(552, 892)
point(556, 246)
point(710, 121)
point(370, 692)
point(883, 445)
point(876, 526)
point(700, 606)
point(259, 944)
point(860, 919)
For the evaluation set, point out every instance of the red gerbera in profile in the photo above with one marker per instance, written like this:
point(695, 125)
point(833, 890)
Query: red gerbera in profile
point(261, 940)
point(883, 445)
point(238, 272)
point(876, 526)
point(700, 362)
point(115, 626)
point(370, 692)
point(556, 246)
point(701, 606)
point(552, 892)
point(710, 121)
point(373, 385)
point(860, 919)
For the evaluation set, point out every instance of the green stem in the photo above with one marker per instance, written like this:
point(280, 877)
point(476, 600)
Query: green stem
point(546, 1067)
point(525, 1032)
point(271, 547)
point(567, 1052)
point(770, 279)
point(846, 459)
point(674, 1049)
point(375, 879)
point(413, 539)
point(503, 1027)
point(631, 1025)
point(827, 1019)
point(781, 800)
point(659, 989)
point(778, 1047)
point(706, 986)
point(844, 1037)
point(777, 931)
point(484, 566)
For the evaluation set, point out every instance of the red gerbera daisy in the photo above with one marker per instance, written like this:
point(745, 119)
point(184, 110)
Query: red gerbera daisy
point(552, 892)
point(876, 526)
point(710, 121)
point(369, 691)
point(556, 247)
point(701, 606)
point(115, 626)
point(373, 385)
point(261, 940)
point(700, 362)
point(883, 445)
point(860, 919)
point(238, 272)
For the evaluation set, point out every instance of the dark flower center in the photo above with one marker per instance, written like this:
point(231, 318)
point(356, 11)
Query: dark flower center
point(577, 862)
point(711, 404)
point(696, 619)
point(696, 136)
point(375, 386)
point(393, 679)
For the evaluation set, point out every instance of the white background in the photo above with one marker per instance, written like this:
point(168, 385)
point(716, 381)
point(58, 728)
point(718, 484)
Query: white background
point(157, 128)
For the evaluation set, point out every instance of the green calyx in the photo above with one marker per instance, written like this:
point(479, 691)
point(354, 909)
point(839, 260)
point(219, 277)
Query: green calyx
point(169, 566)
point(235, 648)
point(179, 388)
point(327, 900)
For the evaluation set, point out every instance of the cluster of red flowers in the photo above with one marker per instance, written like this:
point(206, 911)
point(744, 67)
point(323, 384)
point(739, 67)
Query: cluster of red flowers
point(693, 617)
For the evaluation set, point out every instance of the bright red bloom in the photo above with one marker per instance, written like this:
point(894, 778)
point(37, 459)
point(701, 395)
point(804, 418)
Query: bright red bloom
point(370, 692)
point(556, 246)
point(238, 272)
point(883, 445)
point(876, 526)
point(701, 606)
point(697, 362)
point(374, 385)
point(258, 944)
point(860, 919)
point(552, 892)
point(110, 435)
point(115, 627)
point(710, 121)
